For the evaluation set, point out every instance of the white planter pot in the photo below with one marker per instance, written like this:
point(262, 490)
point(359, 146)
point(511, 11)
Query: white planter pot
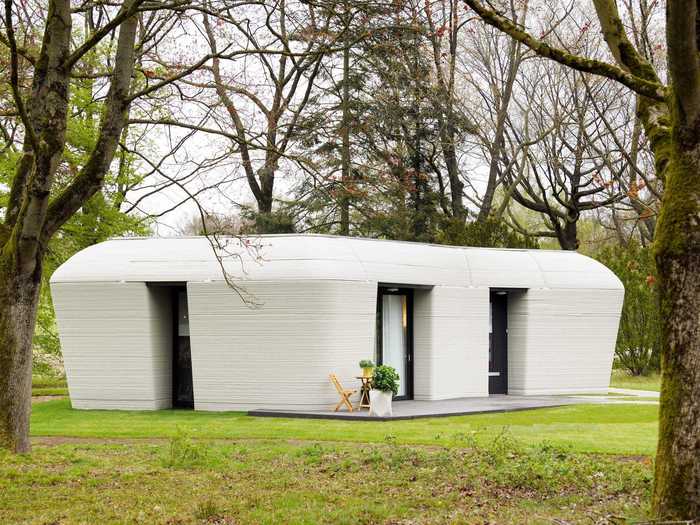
point(380, 403)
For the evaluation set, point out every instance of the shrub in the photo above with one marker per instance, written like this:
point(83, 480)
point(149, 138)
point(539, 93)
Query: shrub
point(639, 338)
point(184, 452)
point(488, 234)
point(277, 221)
point(207, 510)
point(386, 379)
point(367, 363)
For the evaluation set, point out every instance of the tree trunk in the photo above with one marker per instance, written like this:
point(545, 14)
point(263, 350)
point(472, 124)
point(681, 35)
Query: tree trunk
point(568, 235)
point(677, 250)
point(447, 143)
point(266, 175)
point(35, 213)
point(19, 298)
point(345, 137)
point(496, 149)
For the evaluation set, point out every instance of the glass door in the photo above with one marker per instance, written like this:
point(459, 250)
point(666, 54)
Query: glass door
point(183, 393)
point(498, 343)
point(395, 335)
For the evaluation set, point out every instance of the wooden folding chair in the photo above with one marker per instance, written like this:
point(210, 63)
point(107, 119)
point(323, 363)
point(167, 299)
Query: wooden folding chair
point(343, 392)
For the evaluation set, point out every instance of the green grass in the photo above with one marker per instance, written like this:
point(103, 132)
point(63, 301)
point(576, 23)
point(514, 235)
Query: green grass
point(622, 379)
point(185, 481)
point(48, 381)
point(49, 391)
point(49, 386)
point(610, 429)
point(572, 464)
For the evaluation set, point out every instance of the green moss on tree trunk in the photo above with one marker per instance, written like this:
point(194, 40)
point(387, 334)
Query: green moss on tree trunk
point(677, 251)
point(19, 297)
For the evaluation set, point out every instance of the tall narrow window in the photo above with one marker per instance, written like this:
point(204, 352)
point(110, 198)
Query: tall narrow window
point(394, 345)
point(394, 336)
point(183, 393)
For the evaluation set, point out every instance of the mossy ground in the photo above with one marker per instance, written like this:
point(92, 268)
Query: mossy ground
point(572, 464)
point(186, 481)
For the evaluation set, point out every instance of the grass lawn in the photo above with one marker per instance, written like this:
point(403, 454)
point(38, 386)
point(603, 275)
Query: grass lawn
point(612, 429)
point(622, 379)
point(183, 481)
point(573, 464)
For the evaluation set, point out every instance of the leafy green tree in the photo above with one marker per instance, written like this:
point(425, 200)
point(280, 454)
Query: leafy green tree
point(98, 220)
point(53, 181)
point(639, 337)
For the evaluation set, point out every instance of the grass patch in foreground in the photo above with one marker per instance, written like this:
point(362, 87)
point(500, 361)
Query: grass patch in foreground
point(612, 429)
point(622, 379)
point(186, 481)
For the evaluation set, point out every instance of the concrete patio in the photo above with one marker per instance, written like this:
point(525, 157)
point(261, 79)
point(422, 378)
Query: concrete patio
point(448, 407)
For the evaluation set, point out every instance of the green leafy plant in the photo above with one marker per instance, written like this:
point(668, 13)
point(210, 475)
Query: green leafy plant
point(638, 346)
point(185, 452)
point(386, 379)
point(489, 234)
point(367, 363)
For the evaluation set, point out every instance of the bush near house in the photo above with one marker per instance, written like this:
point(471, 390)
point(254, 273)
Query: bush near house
point(639, 337)
point(49, 385)
point(386, 379)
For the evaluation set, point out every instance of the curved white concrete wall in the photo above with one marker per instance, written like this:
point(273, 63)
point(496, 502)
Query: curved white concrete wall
point(562, 341)
point(117, 344)
point(280, 355)
point(451, 342)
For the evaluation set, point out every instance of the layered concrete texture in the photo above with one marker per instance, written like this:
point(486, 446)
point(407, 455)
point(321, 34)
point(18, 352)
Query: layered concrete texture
point(271, 316)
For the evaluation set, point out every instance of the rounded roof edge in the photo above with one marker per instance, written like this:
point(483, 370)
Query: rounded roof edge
point(328, 257)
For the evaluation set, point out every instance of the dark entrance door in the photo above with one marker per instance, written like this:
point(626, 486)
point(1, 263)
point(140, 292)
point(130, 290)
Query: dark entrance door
point(395, 335)
point(183, 393)
point(498, 343)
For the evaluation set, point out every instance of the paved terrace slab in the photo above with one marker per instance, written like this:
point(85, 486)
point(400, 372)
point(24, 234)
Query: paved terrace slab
point(448, 407)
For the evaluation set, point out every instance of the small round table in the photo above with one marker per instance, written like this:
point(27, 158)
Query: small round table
point(364, 391)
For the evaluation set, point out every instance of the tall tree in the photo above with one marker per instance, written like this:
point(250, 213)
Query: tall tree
point(400, 131)
point(574, 166)
point(330, 127)
point(492, 64)
point(287, 43)
point(37, 205)
point(670, 116)
point(445, 23)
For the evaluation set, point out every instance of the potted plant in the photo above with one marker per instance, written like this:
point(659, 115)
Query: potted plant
point(367, 367)
point(385, 385)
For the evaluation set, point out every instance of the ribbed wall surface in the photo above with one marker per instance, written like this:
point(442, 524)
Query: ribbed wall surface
point(562, 341)
point(116, 340)
point(451, 342)
point(317, 315)
point(279, 355)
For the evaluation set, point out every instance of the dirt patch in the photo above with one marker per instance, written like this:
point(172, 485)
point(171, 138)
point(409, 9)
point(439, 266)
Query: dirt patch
point(41, 399)
point(53, 441)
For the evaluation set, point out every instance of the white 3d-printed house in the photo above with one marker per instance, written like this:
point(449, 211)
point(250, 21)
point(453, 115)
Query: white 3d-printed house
point(152, 323)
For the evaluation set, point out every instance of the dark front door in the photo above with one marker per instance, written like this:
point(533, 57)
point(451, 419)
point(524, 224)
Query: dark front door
point(395, 335)
point(183, 393)
point(498, 343)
